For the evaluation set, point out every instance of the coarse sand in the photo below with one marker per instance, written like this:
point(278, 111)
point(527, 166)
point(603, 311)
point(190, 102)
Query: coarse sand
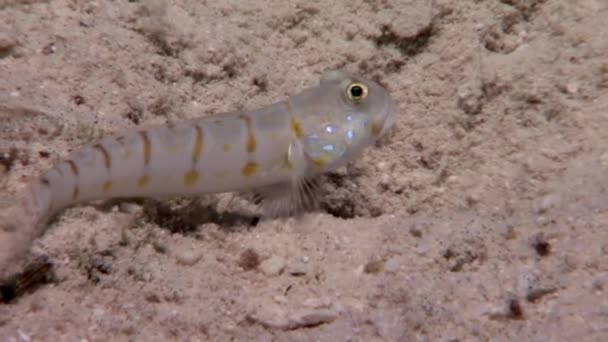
point(483, 216)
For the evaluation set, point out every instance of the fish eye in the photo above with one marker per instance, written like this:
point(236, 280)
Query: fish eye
point(356, 92)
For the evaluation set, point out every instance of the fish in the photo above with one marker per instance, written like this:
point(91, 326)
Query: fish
point(276, 152)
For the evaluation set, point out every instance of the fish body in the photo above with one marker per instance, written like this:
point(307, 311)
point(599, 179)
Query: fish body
point(282, 144)
point(275, 152)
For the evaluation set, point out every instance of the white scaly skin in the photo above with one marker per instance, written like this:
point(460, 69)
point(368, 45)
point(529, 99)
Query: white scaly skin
point(272, 151)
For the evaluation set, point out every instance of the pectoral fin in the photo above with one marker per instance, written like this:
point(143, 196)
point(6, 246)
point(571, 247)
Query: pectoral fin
point(290, 197)
point(287, 199)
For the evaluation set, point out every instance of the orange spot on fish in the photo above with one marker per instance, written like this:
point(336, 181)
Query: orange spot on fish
point(296, 127)
point(191, 178)
point(320, 162)
point(107, 186)
point(250, 169)
point(143, 181)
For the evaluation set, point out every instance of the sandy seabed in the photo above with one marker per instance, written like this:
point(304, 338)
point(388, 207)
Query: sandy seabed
point(481, 217)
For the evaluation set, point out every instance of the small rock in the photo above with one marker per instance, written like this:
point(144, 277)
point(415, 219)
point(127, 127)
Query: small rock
point(7, 44)
point(249, 259)
point(541, 245)
point(273, 266)
point(385, 180)
point(311, 318)
point(188, 257)
point(317, 303)
point(542, 220)
point(129, 208)
point(298, 270)
point(572, 87)
point(604, 159)
point(537, 293)
point(392, 265)
point(23, 336)
point(470, 99)
point(415, 232)
point(280, 299)
point(159, 246)
point(270, 315)
point(381, 166)
point(547, 202)
point(297, 36)
point(373, 267)
point(274, 317)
